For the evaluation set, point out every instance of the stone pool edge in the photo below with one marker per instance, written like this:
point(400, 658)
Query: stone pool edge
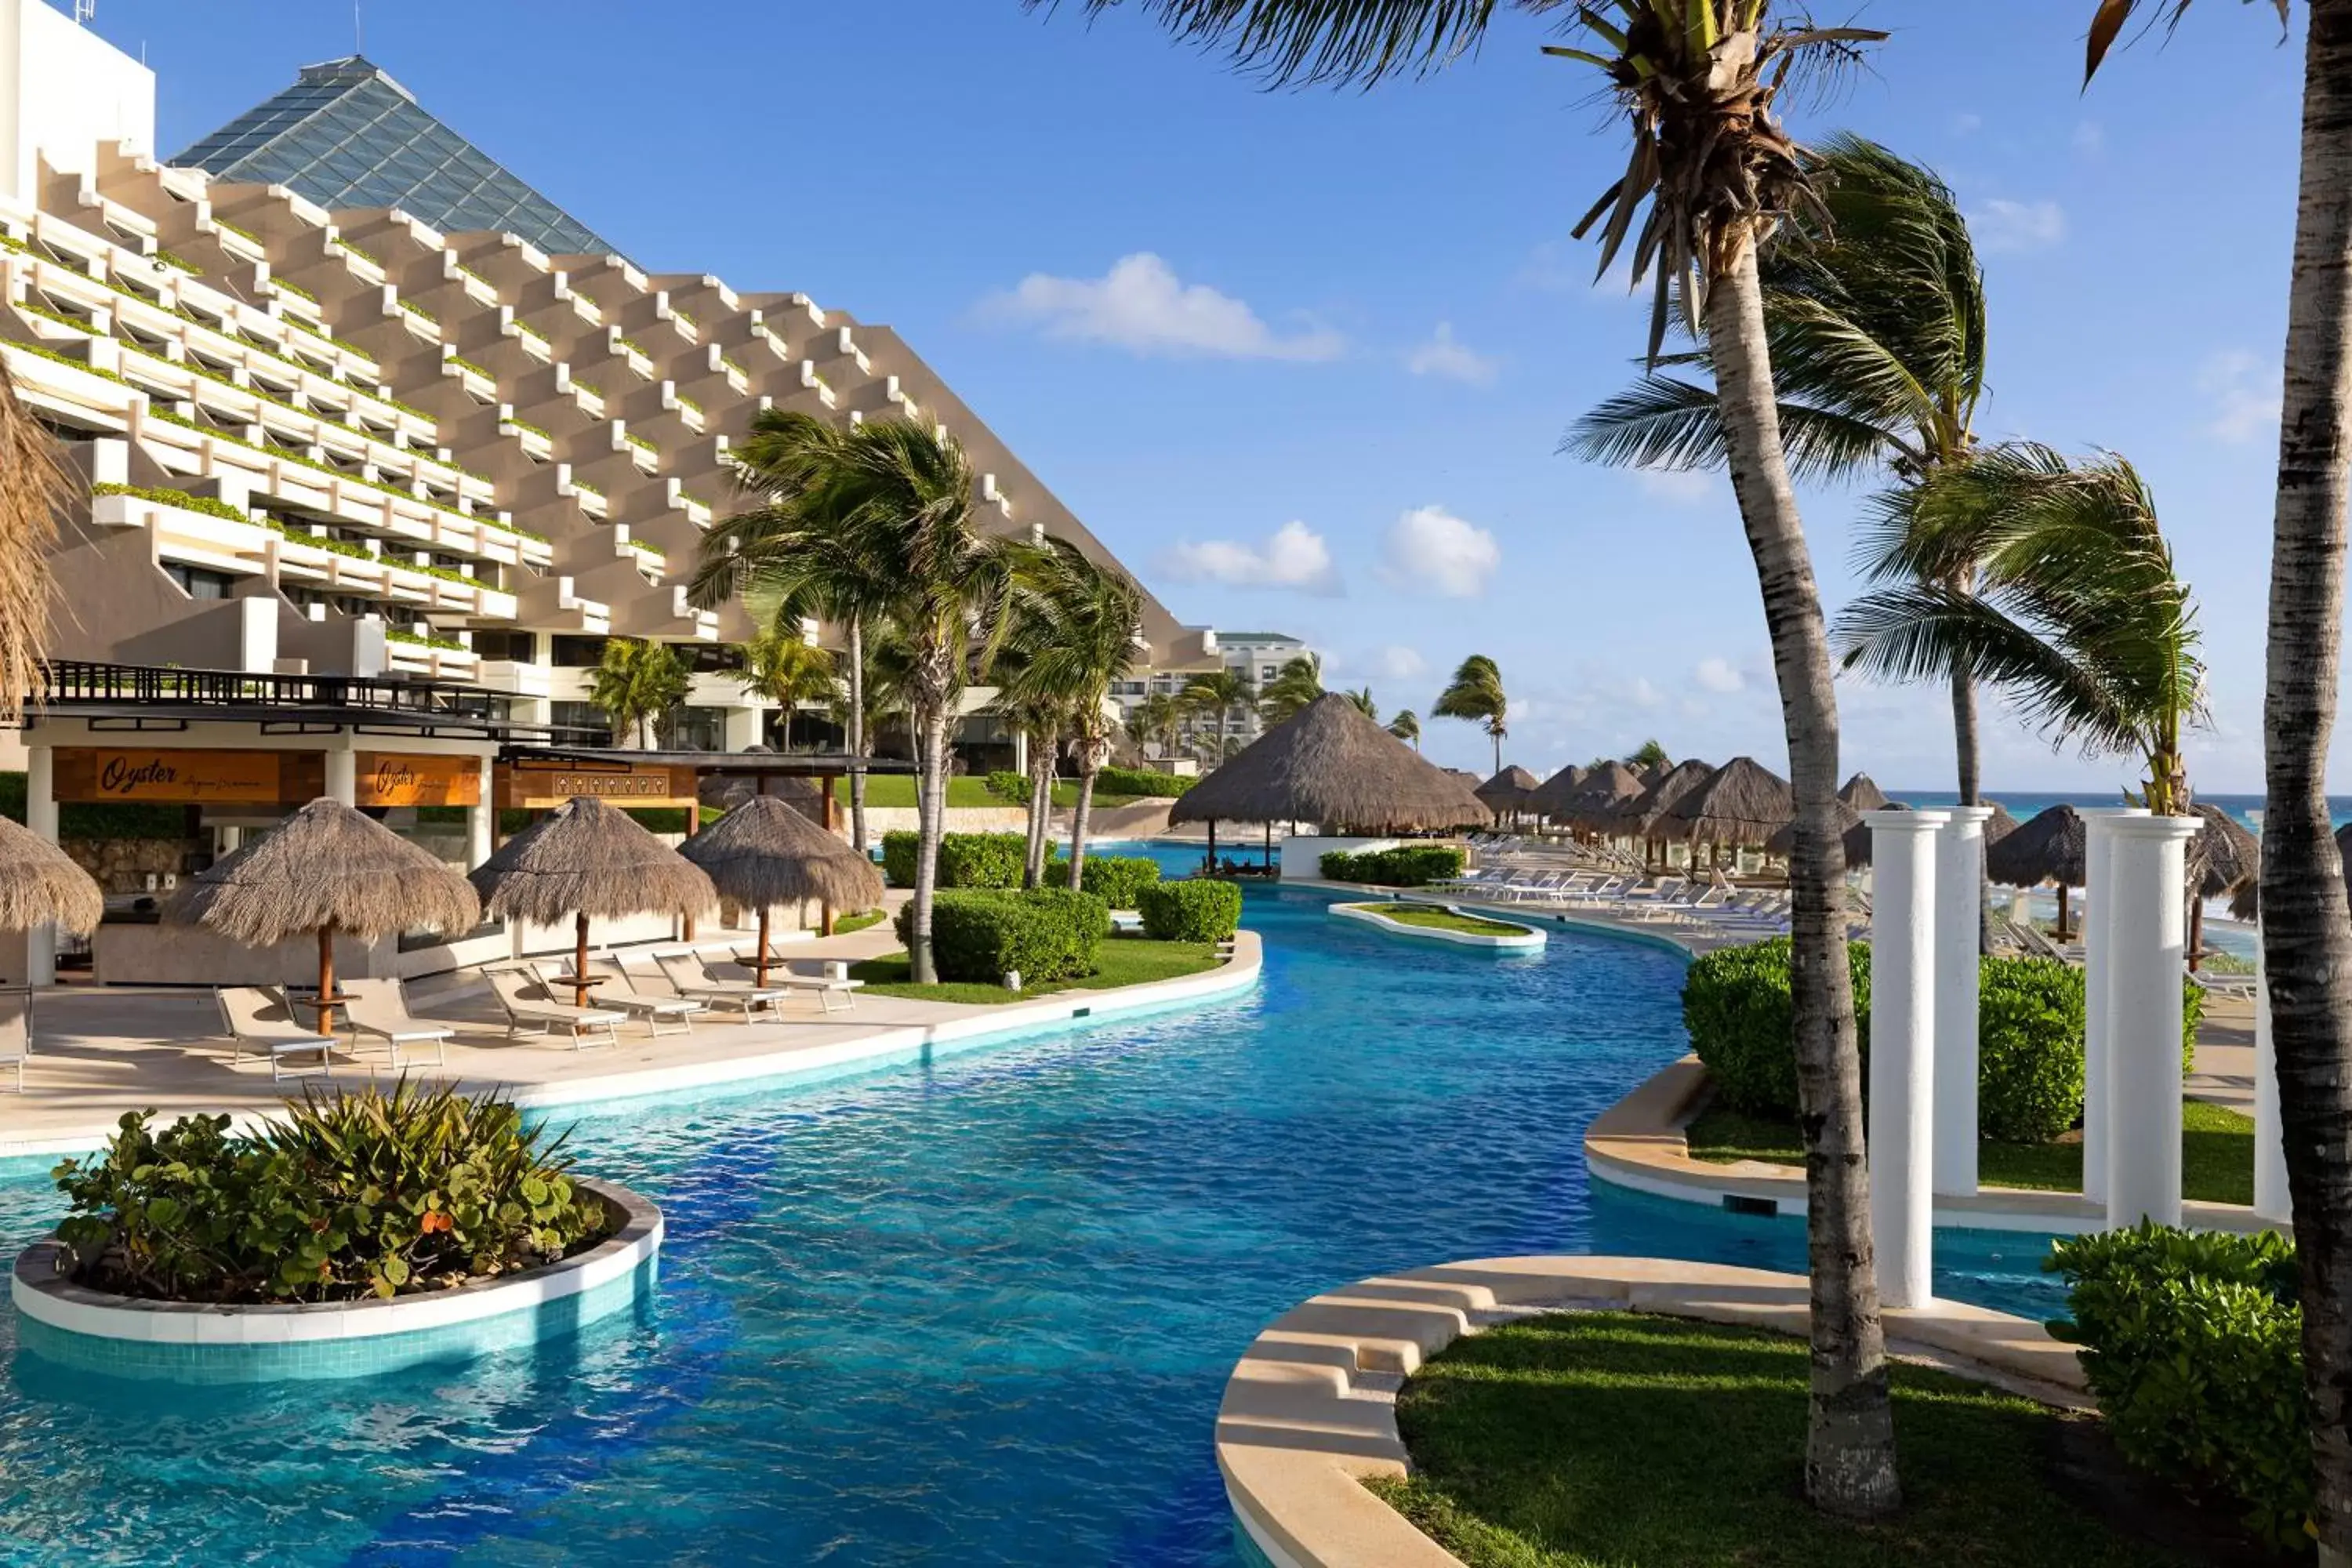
point(1309, 1412)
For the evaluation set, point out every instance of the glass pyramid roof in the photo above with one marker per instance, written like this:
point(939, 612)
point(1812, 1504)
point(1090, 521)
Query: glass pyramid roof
point(346, 135)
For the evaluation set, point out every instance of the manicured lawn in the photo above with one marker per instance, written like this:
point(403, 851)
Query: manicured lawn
point(1612, 1440)
point(1124, 961)
point(2216, 1153)
point(848, 924)
point(1436, 918)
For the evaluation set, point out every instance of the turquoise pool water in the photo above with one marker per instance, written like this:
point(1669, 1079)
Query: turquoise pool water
point(973, 1313)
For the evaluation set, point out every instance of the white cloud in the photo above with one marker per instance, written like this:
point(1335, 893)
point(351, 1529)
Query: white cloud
point(1293, 556)
point(1431, 549)
point(2090, 138)
point(1718, 674)
point(1396, 662)
point(1446, 355)
point(2245, 406)
point(2001, 224)
point(1143, 306)
point(1676, 486)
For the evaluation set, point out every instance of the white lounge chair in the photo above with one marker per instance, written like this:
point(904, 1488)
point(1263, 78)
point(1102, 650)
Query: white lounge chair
point(266, 1021)
point(17, 1030)
point(378, 1008)
point(512, 983)
point(828, 989)
point(655, 1011)
point(690, 978)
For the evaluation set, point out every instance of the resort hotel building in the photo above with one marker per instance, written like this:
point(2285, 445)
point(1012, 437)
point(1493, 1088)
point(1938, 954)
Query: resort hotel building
point(376, 446)
point(1257, 658)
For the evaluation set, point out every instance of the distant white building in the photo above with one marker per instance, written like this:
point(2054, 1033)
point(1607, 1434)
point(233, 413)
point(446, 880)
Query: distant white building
point(1256, 657)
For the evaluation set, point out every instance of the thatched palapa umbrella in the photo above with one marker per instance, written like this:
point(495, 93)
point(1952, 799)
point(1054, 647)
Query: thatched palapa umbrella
point(1863, 793)
point(1599, 804)
point(1635, 817)
point(1330, 764)
point(2049, 847)
point(40, 885)
point(2223, 857)
point(1999, 825)
point(1742, 803)
point(766, 852)
point(1852, 830)
point(324, 869)
point(1506, 794)
point(591, 861)
point(1553, 797)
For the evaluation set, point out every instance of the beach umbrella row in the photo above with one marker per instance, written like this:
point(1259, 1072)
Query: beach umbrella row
point(766, 853)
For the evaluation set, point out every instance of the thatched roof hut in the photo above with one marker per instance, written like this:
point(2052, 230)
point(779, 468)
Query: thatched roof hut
point(1742, 802)
point(589, 860)
point(1851, 827)
point(766, 852)
point(1330, 764)
point(1637, 818)
point(1555, 797)
point(2047, 847)
point(1507, 791)
point(40, 885)
point(2223, 856)
point(1600, 801)
point(1999, 825)
point(324, 869)
point(1863, 793)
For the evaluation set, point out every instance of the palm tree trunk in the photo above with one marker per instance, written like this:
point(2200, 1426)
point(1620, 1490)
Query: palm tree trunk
point(1850, 1449)
point(1041, 810)
point(2306, 936)
point(1498, 753)
point(857, 733)
point(1087, 769)
point(931, 793)
point(1964, 734)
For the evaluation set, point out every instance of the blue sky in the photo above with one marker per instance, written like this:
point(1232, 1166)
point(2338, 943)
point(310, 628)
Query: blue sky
point(1330, 341)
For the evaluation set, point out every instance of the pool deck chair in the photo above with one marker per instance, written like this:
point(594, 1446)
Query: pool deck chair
point(686, 974)
point(15, 1030)
point(827, 988)
point(263, 1020)
point(378, 1010)
point(604, 991)
point(512, 983)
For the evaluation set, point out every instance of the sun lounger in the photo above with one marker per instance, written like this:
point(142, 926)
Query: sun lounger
point(379, 1009)
point(828, 989)
point(17, 1030)
point(512, 984)
point(2240, 986)
point(266, 1021)
point(689, 977)
point(613, 990)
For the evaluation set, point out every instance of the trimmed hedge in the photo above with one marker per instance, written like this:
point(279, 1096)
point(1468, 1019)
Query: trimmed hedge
point(1406, 866)
point(2192, 1343)
point(1737, 1007)
point(2029, 1048)
point(1117, 880)
point(966, 859)
point(982, 934)
point(1200, 910)
point(1141, 781)
point(1008, 786)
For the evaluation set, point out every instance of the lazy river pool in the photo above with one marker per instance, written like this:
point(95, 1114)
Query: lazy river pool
point(979, 1311)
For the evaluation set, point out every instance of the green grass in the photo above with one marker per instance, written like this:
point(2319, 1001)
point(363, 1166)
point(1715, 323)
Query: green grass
point(848, 924)
point(1436, 918)
point(2216, 1153)
point(1124, 961)
point(1612, 1440)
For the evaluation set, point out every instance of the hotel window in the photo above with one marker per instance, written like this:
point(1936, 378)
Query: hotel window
point(699, 729)
point(197, 582)
point(587, 725)
point(1268, 671)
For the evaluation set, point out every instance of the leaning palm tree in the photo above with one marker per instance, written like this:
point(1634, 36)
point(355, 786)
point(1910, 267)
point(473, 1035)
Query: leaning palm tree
point(1712, 174)
point(32, 484)
point(2072, 605)
point(637, 683)
point(1364, 704)
point(1076, 622)
point(1406, 727)
point(1476, 693)
point(1159, 718)
point(1216, 695)
point(791, 556)
point(1648, 755)
point(2306, 934)
point(1040, 718)
point(1299, 682)
point(782, 666)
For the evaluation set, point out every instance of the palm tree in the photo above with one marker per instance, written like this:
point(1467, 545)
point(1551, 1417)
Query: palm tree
point(1040, 719)
point(2068, 601)
point(1406, 726)
point(2306, 934)
point(1299, 682)
point(1364, 705)
point(1476, 693)
point(1874, 309)
point(1711, 175)
point(1647, 755)
point(32, 483)
point(1217, 696)
point(793, 556)
point(1158, 716)
point(637, 683)
point(1077, 625)
point(786, 669)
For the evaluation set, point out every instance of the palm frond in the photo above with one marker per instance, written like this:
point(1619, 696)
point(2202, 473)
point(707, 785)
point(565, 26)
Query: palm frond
point(1336, 41)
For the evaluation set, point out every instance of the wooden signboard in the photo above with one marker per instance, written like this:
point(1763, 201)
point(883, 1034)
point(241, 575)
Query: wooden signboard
point(168, 776)
point(544, 787)
point(413, 778)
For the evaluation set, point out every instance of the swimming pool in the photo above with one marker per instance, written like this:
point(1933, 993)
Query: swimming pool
point(974, 1313)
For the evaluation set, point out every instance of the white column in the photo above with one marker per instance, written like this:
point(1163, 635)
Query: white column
point(2098, 904)
point(1959, 916)
point(1902, 1063)
point(2270, 1199)
point(41, 817)
point(2147, 931)
point(343, 777)
point(480, 817)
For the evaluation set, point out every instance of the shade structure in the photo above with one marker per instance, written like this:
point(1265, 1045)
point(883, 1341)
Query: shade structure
point(1863, 793)
point(1742, 802)
point(1852, 829)
point(1330, 764)
point(1555, 795)
point(2223, 856)
point(40, 885)
point(2047, 847)
point(324, 869)
point(1999, 825)
point(1634, 819)
point(589, 862)
point(1600, 801)
point(1507, 791)
point(767, 852)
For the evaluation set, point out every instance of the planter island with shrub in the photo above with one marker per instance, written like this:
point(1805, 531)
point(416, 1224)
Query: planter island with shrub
point(356, 1233)
point(1436, 922)
point(1056, 939)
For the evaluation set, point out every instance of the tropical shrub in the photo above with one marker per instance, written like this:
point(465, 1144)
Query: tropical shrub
point(366, 1192)
point(1406, 866)
point(1141, 781)
point(966, 859)
point(1117, 879)
point(2029, 1048)
point(1737, 1007)
point(1200, 910)
point(982, 934)
point(1008, 786)
point(2192, 1343)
